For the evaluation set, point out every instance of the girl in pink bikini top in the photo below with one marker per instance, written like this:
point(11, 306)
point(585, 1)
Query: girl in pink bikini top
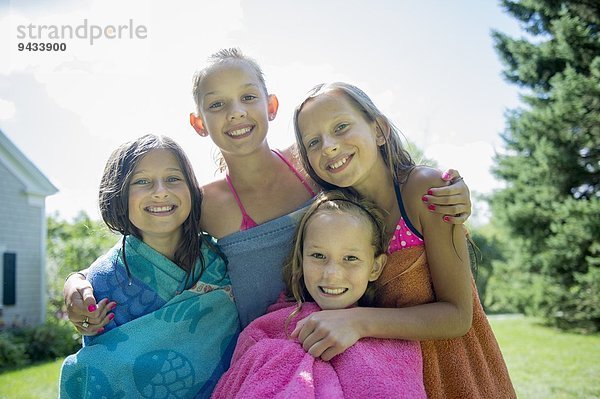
point(247, 221)
point(405, 234)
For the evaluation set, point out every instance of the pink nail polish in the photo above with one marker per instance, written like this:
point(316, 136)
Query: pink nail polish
point(111, 316)
point(114, 305)
point(100, 330)
point(445, 176)
point(424, 198)
point(430, 192)
point(431, 207)
point(92, 308)
point(446, 218)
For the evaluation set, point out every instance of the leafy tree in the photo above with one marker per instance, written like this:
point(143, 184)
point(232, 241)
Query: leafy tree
point(418, 156)
point(551, 203)
point(486, 253)
point(72, 246)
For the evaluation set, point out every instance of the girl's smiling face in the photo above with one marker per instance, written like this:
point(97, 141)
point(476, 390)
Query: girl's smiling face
point(338, 258)
point(341, 144)
point(159, 196)
point(234, 107)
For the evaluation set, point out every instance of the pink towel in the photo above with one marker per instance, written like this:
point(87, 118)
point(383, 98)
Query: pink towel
point(266, 364)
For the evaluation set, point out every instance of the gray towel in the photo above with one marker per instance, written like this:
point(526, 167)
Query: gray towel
point(256, 258)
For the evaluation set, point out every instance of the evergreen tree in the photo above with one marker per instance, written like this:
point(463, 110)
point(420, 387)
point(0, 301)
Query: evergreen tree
point(551, 165)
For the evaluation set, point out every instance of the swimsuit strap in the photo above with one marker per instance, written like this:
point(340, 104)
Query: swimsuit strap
point(298, 174)
point(247, 221)
point(403, 211)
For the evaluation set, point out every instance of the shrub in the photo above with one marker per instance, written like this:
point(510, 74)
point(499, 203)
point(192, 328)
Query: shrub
point(21, 346)
point(12, 354)
point(51, 340)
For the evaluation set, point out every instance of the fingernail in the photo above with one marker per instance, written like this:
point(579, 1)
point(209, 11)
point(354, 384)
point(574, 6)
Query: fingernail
point(114, 305)
point(445, 176)
point(446, 218)
point(100, 330)
point(424, 198)
point(111, 316)
point(92, 308)
point(430, 192)
point(431, 207)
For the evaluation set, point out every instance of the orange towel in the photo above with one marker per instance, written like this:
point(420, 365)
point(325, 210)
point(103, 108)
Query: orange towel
point(470, 366)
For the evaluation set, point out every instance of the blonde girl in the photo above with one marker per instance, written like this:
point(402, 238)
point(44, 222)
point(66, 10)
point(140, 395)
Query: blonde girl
point(427, 287)
point(339, 250)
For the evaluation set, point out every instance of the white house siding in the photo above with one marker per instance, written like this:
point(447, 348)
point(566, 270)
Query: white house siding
point(20, 226)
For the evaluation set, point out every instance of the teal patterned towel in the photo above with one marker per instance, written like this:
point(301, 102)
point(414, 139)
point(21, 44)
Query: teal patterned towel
point(176, 351)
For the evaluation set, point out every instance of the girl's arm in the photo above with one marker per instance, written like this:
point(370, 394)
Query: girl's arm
point(328, 333)
point(448, 197)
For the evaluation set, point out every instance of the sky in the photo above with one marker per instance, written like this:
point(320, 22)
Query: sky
point(429, 65)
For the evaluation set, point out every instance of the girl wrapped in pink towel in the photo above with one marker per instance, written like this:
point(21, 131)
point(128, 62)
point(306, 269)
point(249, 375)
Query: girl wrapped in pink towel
point(339, 250)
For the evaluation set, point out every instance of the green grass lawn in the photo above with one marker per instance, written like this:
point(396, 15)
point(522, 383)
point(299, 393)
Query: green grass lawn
point(543, 363)
point(546, 363)
point(33, 382)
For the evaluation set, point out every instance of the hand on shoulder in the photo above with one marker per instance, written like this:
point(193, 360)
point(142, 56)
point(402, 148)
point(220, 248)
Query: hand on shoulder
point(426, 176)
point(420, 180)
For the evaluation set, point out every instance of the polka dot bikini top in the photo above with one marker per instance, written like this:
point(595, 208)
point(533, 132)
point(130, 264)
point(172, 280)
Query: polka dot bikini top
point(405, 235)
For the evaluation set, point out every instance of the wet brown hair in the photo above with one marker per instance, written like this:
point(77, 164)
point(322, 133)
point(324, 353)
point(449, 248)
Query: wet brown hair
point(113, 196)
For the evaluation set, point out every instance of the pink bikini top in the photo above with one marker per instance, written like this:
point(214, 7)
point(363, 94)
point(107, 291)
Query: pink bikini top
point(405, 235)
point(247, 221)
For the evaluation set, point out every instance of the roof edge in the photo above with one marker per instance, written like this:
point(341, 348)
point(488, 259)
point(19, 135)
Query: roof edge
point(33, 179)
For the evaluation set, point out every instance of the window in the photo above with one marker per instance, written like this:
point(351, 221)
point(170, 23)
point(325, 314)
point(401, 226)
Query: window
point(9, 278)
